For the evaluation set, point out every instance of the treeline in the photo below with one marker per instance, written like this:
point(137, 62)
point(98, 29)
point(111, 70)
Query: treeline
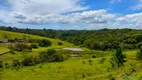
point(104, 39)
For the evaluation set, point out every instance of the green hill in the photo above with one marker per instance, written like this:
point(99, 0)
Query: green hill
point(6, 35)
point(11, 35)
point(88, 65)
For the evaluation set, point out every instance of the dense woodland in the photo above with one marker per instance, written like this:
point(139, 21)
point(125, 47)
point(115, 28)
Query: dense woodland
point(104, 39)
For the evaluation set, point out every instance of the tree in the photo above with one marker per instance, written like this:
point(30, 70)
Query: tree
point(44, 43)
point(28, 61)
point(139, 55)
point(16, 63)
point(34, 46)
point(139, 45)
point(1, 64)
point(22, 47)
point(47, 55)
point(51, 56)
point(60, 43)
point(117, 58)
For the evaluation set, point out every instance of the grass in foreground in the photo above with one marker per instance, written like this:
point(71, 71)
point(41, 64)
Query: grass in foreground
point(78, 69)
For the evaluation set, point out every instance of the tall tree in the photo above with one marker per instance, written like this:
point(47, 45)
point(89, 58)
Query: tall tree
point(139, 55)
point(117, 58)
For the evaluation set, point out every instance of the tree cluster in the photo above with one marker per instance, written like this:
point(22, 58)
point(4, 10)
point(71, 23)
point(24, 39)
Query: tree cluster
point(104, 39)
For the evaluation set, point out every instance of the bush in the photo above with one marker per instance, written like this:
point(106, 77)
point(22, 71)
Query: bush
point(47, 55)
point(50, 52)
point(15, 63)
point(60, 43)
point(117, 58)
point(27, 61)
point(57, 58)
point(102, 60)
point(12, 52)
point(36, 60)
point(90, 61)
point(93, 56)
point(11, 40)
point(83, 62)
point(6, 65)
point(22, 47)
point(44, 43)
point(139, 45)
point(1, 64)
point(127, 46)
point(50, 56)
point(34, 46)
point(139, 55)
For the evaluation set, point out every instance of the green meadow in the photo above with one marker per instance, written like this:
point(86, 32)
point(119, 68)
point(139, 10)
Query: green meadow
point(83, 67)
point(77, 69)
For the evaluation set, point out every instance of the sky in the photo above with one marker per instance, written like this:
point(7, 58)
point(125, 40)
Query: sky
point(71, 14)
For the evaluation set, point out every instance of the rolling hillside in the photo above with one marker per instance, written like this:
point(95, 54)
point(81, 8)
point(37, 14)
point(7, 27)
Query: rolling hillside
point(89, 65)
point(5, 35)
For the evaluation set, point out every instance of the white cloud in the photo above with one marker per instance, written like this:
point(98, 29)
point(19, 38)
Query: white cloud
point(138, 6)
point(5, 17)
point(46, 6)
point(137, 17)
point(18, 15)
point(62, 12)
point(88, 17)
point(111, 25)
point(134, 19)
point(127, 21)
point(114, 1)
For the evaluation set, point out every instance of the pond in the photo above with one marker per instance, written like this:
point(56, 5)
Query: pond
point(73, 49)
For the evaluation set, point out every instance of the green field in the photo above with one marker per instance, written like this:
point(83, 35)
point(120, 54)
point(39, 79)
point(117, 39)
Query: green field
point(77, 69)
point(74, 68)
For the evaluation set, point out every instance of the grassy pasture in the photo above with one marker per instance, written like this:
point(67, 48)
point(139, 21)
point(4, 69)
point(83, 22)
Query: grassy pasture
point(78, 69)
point(75, 68)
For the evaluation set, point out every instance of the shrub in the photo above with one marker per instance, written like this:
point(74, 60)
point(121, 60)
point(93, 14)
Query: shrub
point(22, 47)
point(11, 47)
point(93, 56)
point(60, 43)
point(139, 45)
point(1, 64)
point(83, 76)
point(83, 62)
point(27, 61)
point(139, 55)
point(117, 58)
point(51, 52)
point(44, 43)
point(57, 58)
point(12, 52)
point(36, 60)
point(90, 61)
point(50, 56)
point(6, 65)
point(11, 40)
point(34, 46)
point(102, 60)
point(15, 63)
point(47, 55)
point(112, 78)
